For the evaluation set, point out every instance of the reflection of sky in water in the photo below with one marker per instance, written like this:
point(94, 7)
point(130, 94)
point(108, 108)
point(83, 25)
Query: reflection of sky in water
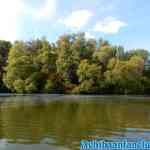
point(44, 145)
point(136, 133)
point(4, 145)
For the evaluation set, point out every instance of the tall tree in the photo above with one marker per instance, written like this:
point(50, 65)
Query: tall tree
point(68, 58)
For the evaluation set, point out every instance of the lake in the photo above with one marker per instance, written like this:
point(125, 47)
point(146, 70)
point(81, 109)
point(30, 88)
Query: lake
point(59, 122)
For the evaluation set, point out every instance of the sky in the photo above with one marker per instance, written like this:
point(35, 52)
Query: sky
point(122, 22)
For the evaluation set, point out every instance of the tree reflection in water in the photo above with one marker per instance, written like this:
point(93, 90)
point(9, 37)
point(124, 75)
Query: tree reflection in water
point(64, 121)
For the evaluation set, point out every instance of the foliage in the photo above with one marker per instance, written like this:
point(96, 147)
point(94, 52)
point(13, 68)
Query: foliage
point(74, 64)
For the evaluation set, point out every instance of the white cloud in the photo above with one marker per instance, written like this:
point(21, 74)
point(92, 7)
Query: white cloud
point(9, 13)
point(88, 35)
point(47, 10)
point(109, 25)
point(77, 19)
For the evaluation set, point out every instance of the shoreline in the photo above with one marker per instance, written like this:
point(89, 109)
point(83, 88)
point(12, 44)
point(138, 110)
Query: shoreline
point(76, 96)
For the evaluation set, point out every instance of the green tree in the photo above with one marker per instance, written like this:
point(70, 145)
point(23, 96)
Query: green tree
point(4, 50)
point(19, 68)
point(29, 63)
point(68, 59)
point(138, 52)
point(89, 77)
point(73, 64)
point(85, 47)
point(124, 75)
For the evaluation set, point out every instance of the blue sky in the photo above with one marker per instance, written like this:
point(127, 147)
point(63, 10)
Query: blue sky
point(122, 22)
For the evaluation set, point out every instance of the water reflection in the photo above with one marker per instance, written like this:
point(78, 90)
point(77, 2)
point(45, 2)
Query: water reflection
point(44, 122)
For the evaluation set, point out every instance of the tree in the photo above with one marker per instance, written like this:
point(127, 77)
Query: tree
point(138, 52)
point(67, 59)
point(89, 77)
point(103, 43)
point(30, 64)
point(103, 55)
point(85, 47)
point(74, 64)
point(124, 75)
point(20, 67)
point(4, 50)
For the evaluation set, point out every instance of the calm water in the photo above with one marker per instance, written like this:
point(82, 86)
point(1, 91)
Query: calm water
point(59, 122)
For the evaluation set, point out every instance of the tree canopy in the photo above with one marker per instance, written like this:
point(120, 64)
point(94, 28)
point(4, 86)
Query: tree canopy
point(73, 64)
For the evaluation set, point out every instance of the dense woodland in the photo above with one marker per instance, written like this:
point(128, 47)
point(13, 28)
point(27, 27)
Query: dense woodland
point(74, 65)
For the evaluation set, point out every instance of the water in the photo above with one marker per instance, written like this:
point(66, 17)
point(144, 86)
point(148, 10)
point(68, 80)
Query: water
point(58, 122)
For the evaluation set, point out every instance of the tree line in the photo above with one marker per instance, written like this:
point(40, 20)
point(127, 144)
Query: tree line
point(73, 65)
